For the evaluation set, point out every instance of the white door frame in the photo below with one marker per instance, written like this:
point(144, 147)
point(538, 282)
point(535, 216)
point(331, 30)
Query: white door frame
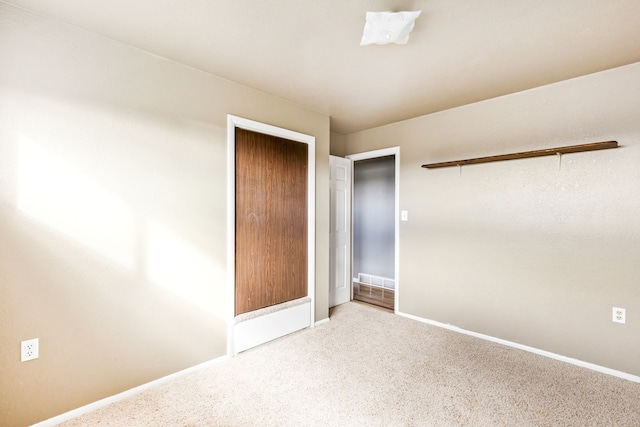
point(274, 322)
point(391, 151)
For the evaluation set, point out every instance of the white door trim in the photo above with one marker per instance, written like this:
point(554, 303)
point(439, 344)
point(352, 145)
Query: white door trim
point(305, 318)
point(391, 151)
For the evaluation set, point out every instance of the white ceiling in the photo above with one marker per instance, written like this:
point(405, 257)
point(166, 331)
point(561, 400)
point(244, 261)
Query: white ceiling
point(307, 51)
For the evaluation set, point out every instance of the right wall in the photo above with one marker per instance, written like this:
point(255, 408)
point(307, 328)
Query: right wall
point(533, 251)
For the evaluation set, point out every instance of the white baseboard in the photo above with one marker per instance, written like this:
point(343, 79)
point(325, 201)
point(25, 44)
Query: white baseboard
point(322, 322)
point(74, 413)
point(538, 351)
point(259, 330)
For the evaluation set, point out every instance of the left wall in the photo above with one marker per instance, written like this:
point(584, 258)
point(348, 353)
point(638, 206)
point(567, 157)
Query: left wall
point(113, 213)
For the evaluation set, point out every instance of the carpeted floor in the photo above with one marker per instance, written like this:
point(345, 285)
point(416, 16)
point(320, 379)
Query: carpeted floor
point(368, 367)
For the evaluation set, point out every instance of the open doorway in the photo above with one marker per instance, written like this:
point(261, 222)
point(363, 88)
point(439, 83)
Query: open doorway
point(375, 227)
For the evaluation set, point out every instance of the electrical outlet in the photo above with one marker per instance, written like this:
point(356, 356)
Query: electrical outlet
point(619, 315)
point(30, 350)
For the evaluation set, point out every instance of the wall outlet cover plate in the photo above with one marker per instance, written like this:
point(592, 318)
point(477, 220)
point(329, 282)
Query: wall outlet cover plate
point(29, 349)
point(619, 315)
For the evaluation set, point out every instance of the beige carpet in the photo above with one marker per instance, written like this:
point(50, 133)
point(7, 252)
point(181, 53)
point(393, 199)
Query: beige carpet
point(368, 367)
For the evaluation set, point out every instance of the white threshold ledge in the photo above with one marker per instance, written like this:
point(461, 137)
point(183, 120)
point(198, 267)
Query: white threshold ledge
point(264, 325)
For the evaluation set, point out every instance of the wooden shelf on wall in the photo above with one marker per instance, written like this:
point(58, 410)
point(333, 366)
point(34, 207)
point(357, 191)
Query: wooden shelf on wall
point(526, 154)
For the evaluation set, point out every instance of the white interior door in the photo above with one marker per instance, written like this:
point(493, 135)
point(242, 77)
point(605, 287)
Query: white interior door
point(340, 234)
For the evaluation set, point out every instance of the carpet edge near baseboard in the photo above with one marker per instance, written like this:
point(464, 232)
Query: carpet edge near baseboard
point(545, 353)
point(90, 407)
point(74, 413)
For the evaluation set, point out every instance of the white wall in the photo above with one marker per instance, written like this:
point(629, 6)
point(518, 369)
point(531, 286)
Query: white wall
point(113, 213)
point(521, 250)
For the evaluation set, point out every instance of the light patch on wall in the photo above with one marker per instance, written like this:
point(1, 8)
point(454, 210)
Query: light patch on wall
point(52, 192)
point(177, 266)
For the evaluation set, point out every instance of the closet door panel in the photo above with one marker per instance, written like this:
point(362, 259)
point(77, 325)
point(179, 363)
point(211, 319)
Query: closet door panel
point(271, 220)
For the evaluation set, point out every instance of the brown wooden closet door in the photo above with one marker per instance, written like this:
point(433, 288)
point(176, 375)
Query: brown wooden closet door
point(271, 220)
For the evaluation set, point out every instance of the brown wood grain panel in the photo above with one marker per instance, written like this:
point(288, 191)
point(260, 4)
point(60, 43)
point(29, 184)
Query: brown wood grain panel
point(271, 220)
